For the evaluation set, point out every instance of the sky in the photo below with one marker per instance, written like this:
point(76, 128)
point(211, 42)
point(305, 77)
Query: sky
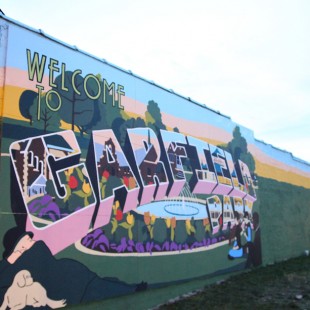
point(248, 59)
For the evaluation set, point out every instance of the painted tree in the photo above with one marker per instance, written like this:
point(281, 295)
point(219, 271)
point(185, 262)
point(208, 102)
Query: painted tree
point(153, 117)
point(238, 147)
point(26, 100)
point(109, 109)
point(40, 113)
point(120, 127)
point(76, 107)
point(44, 117)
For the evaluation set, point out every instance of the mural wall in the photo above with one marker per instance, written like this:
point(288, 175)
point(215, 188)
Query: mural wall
point(118, 185)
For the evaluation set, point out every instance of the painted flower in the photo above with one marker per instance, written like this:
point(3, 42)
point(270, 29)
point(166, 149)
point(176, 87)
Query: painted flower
point(119, 215)
point(153, 219)
point(147, 218)
point(130, 219)
point(73, 182)
point(132, 183)
point(173, 222)
point(129, 224)
point(189, 227)
point(149, 222)
point(68, 172)
point(106, 174)
point(168, 222)
point(206, 222)
point(126, 181)
point(188, 224)
point(116, 205)
point(86, 187)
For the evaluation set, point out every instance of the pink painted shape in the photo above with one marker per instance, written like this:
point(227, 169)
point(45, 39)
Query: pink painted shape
point(215, 229)
point(131, 200)
point(61, 234)
point(147, 194)
point(222, 189)
point(162, 191)
point(204, 187)
point(104, 212)
point(237, 193)
point(250, 198)
point(176, 188)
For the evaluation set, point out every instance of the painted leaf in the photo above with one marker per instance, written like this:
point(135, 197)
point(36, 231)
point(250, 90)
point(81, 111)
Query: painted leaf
point(80, 193)
point(80, 174)
point(125, 225)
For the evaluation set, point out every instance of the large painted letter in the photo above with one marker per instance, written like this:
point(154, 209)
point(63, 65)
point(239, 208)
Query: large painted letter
point(228, 213)
point(144, 154)
point(224, 185)
point(237, 181)
point(172, 152)
point(238, 206)
point(203, 180)
point(56, 189)
point(243, 172)
point(111, 174)
point(215, 210)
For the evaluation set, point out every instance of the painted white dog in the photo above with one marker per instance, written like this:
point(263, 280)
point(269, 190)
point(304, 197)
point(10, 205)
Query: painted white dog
point(24, 292)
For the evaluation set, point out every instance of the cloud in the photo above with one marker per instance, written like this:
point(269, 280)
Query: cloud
point(248, 59)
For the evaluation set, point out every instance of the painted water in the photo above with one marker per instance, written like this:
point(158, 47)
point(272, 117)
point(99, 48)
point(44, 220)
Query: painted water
point(185, 206)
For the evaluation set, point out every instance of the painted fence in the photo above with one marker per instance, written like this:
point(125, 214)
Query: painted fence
point(111, 184)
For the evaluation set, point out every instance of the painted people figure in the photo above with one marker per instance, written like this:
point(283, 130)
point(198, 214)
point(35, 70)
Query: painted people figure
point(23, 243)
point(62, 279)
point(251, 250)
point(23, 291)
point(254, 248)
point(237, 250)
point(247, 231)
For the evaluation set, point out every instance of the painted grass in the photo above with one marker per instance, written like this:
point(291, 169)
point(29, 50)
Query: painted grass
point(284, 285)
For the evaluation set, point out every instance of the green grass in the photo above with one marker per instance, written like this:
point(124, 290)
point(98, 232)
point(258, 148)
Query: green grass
point(284, 285)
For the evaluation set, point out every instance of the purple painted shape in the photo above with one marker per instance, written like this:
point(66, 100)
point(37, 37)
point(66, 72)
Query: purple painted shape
point(34, 205)
point(52, 207)
point(139, 247)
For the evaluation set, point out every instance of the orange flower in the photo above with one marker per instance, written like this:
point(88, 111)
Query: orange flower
point(206, 222)
point(173, 222)
point(147, 218)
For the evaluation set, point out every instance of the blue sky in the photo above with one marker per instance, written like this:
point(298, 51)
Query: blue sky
point(249, 60)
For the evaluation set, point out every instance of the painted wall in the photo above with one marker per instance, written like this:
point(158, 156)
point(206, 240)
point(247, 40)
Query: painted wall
point(118, 185)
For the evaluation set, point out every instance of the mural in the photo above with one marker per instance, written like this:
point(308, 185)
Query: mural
point(110, 177)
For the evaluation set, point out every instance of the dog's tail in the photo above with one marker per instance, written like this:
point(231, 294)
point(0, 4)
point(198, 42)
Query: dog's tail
point(55, 304)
